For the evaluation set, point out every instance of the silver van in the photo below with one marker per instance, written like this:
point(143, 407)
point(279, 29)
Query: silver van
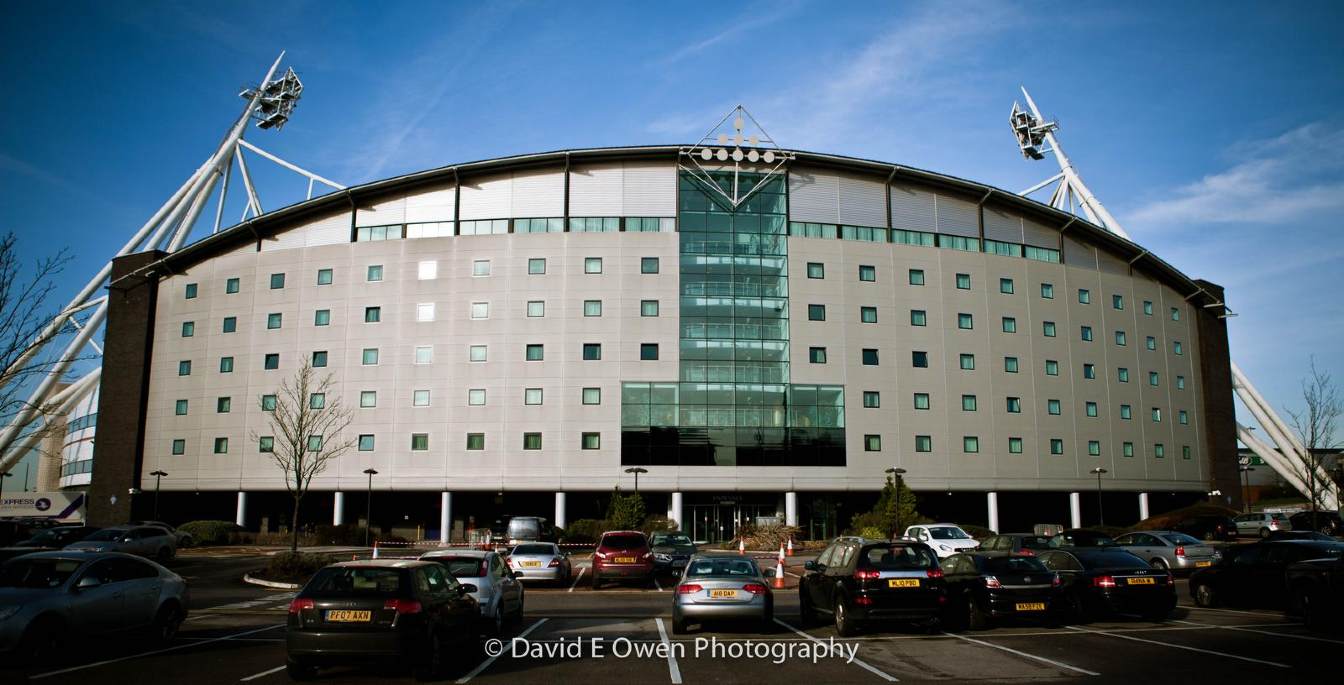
point(525, 529)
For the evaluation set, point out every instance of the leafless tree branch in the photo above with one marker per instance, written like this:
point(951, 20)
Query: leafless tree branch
point(1316, 425)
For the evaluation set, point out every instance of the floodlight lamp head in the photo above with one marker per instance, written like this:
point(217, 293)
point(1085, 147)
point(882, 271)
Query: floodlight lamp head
point(276, 100)
point(1030, 131)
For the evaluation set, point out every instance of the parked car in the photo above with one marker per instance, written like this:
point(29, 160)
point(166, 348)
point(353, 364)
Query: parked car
point(1327, 522)
point(671, 551)
point(1102, 581)
point(1299, 535)
point(497, 592)
point(1081, 537)
point(396, 610)
point(1208, 527)
point(48, 598)
point(184, 539)
point(1014, 544)
point(983, 588)
point(945, 539)
point(1254, 574)
point(1262, 524)
point(525, 529)
point(146, 541)
point(722, 588)
point(857, 582)
point(622, 555)
point(47, 539)
point(1316, 592)
point(1167, 549)
point(540, 561)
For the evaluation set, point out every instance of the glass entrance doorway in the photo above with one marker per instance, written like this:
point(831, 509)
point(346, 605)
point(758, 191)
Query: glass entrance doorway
point(714, 523)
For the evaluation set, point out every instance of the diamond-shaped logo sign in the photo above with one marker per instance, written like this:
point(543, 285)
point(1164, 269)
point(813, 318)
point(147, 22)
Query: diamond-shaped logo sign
point(736, 145)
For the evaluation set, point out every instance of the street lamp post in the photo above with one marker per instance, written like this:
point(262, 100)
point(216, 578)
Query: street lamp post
point(896, 474)
point(368, 506)
point(1101, 515)
point(158, 476)
point(1246, 486)
point(636, 470)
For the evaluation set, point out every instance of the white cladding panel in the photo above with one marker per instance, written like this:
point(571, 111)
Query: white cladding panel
point(912, 209)
point(1002, 226)
point(1038, 235)
point(487, 198)
point(538, 194)
point(1079, 254)
point(650, 189)
point(330, 231)
point(958, 217)
point(384, 213)
point(597, 190)
point(436, 204)
point(814, 197)
point(862, 202)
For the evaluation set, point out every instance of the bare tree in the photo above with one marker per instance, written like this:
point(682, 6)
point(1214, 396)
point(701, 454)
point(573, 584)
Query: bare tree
point(308, 423)
point(1316, 426)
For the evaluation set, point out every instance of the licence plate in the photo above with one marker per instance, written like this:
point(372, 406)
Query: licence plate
point(723, 594)
point(347, 616)
point(1202, 564)
point(1031, 606)
point(1141, 581)
point(624, 560)
point(531, 564)
point(903, 582)
point(678, 563)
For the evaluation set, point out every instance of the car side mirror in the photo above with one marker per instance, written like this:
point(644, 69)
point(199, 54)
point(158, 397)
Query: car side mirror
point(809, 565)
point(125, 539)
point(466, 589)
point(88, 582)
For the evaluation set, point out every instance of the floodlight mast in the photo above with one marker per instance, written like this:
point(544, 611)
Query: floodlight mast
point(271, 104)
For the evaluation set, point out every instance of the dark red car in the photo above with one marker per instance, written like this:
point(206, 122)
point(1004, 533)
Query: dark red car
point(622, 555)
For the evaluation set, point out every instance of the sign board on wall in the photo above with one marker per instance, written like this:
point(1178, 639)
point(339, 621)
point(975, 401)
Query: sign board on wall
point(62, 506)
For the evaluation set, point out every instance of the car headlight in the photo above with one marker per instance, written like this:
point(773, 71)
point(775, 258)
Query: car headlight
point(663, 557)
point(945, 548)
point(8, 611)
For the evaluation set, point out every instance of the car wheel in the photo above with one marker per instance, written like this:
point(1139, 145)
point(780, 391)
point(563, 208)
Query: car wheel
point(1160, 564)
point(975, 616)
point(597, 582)
point(806, 613)
point(497, 620)
point(164, 555)
point(43, 642)
point(1306, 603)
point(768, 619)
point(1264, 533)
point(166, 623)
point(517, 618)
point(678, 623)
point(1206, 596)
point(1078, 609)
point(432, 666)
point(844, 625)
point(297, 670)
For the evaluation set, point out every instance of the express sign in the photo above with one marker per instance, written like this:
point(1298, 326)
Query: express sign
point(64, 506)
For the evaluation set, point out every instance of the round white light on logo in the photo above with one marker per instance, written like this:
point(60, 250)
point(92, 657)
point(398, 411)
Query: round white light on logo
point(753, 155)
point(723, 139)
point(722, 154)
point(737, 155)
point(769, 157)
point(706, 154)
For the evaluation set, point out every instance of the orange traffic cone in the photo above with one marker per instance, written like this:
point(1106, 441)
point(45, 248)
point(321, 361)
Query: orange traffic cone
point(779, 570)
point(790, 547)
point(741, 545)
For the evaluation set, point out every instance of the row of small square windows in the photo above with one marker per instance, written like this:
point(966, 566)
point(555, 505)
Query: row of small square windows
point(365, 443)
point(428, 270)
point(425, 355)
point(368, 399)
point(1006, 286)
point(872, 399)
point(970, 444)
point(920, 360)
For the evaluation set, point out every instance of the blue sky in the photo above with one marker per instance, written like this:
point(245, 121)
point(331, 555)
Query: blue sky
point(1212, 131)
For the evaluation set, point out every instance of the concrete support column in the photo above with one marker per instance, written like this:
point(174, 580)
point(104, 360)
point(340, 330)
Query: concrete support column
point(446, 517)
point(791, 508)
point(674, 511)
point(1075, 511)
point(560, 519)
point(338, 508)
point(240, 514)
point(992, 503)
point(1143, 505)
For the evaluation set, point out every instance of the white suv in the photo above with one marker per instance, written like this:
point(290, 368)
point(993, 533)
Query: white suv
point(1262, 524)
point(945, 538)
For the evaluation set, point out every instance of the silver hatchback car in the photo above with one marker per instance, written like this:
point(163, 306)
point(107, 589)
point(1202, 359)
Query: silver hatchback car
point(722, 587)
point(498, 591)
point(147, 541)
point(1169, 550)
point(540, 561)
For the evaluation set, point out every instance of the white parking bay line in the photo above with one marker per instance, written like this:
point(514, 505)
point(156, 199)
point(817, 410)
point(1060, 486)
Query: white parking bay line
point(1244, 629)
point(486, 664)
point(672, 668)
point(576, 578)
point(156, 651)
point(263, 674)
point(1023, 654)
point(1185, 647)
point(857, 661)
point(1230, 611)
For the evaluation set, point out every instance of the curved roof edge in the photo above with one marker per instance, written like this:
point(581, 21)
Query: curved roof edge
point(270, 222)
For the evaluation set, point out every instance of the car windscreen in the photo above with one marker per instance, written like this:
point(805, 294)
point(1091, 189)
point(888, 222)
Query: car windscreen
point(107, 535)
point(721, 567)
point(37, 573)
point(1082, 539)
point(533, 549)
point(47, 537)
point(625, 541)
point(948, 533)
point(1326, 551)
point(524, 528)
point(462, 567)
point(349, 580)
point(899, 558)
point(669, 540)
point(1181, 539)
point(1111, 559)
point(1036, 542)
point(1013, 565)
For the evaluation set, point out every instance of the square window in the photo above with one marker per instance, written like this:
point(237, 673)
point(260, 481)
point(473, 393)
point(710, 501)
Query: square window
point(867, 273)
point(967, 362)
point(1150, 342)
point(919, 360)
point(1047, 291)
point(1157, 415)
point(868, 314)
point(271, 362)
point(314, 443)
point(1180, 382)
point(869, 357)
point(970, 444)
point(1185, 451)
point(476, 397)
point(266, 444)
point(648, 265)
point(1006, 286)
point(191, 291)
point(1183, 418)
point(1084, 297)
point(1086, 333)
point(963, 281)
point(1056, 446)
point(1052, 407)
point(816, 355)
point(1010, 364)
point(268, 402)
point(592, 352)
point(373, 314)
point(965, 321)
point(1159, 451)
point(480, 310)
point(1014, 445)
point(1009, 324)
point(921, 400)
point(226, 364)
point(277, 281)
point(476, 353)
point(1127, 449)
point(916, 277)
point(188, 329)
point(480, 267)
point(1117, 301)
point(231, 286)
point(816, 270)
point(419, 398)
point(475, 441)
point(648, 308)
point(424, 312)
point(317, 400)
point(592, 395)
point(1153, 378)
point(923, 443)
point(872, 399)
point(532, 396)
point(1120, 338)
point(230, 324)
point(319, 359)
point(648, 352)
point(1091, 409)
point(1126, 413)
point(424, 354)
point(419, 442)
point(534, 353)
point(1122, 374)
point(537, 308)
point(1176, 348)
point(324, 276)
point(1090, 371)
point(1148, 307)
point(592, 307)
point(968, 403)
point(591, 441)
point(592, 265)
point(322, 317)
point(366, 442)
point(919, 317)
point(1048, 328)
point(274, 320)
point(369, 357)
point(872, 443)
point(180, 408)
point(1175, 314)
point(368, 399)
point(221, 445)
point(427, 270)
point(1094, 448)
point(531, 441)
point(816, 312)
point(1051, 367)
point(1014, 405)
point(374, 273)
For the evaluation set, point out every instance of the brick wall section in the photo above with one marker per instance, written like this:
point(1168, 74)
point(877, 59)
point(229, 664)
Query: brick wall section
point(1220, 414)
point(118, 449)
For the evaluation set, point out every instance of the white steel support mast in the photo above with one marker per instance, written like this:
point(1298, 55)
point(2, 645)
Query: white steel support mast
point(271, 103)
point(1286, 455)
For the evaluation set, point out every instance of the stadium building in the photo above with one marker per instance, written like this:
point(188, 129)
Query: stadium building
point(764, 332)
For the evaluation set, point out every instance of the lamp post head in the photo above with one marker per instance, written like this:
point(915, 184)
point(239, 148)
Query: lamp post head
point(159, 474)
point(896, 471)
point(371, 472)
point(1099, 471)
point(636, 469)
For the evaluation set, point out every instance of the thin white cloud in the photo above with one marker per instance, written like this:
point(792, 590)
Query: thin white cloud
point(736, 27)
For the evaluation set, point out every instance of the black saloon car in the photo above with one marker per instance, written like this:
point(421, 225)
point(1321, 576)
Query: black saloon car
point(396, 611)
point(1102, 581)
point(1081, 537)
point(857, 581)
point(982, 588)
point(671, 551)
point(1316, 592)
point(1208, 527)
point(1327, 522)
point(1014, 544)
point(1254, 574)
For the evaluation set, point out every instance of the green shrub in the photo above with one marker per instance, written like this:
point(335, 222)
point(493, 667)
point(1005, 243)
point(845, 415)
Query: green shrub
point(766, 537)
point(211, 532)
point(873, 533)
point(291, 567)
point(626, 512)
point(1167, 520)
point(869, 520)
point(584, 531)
